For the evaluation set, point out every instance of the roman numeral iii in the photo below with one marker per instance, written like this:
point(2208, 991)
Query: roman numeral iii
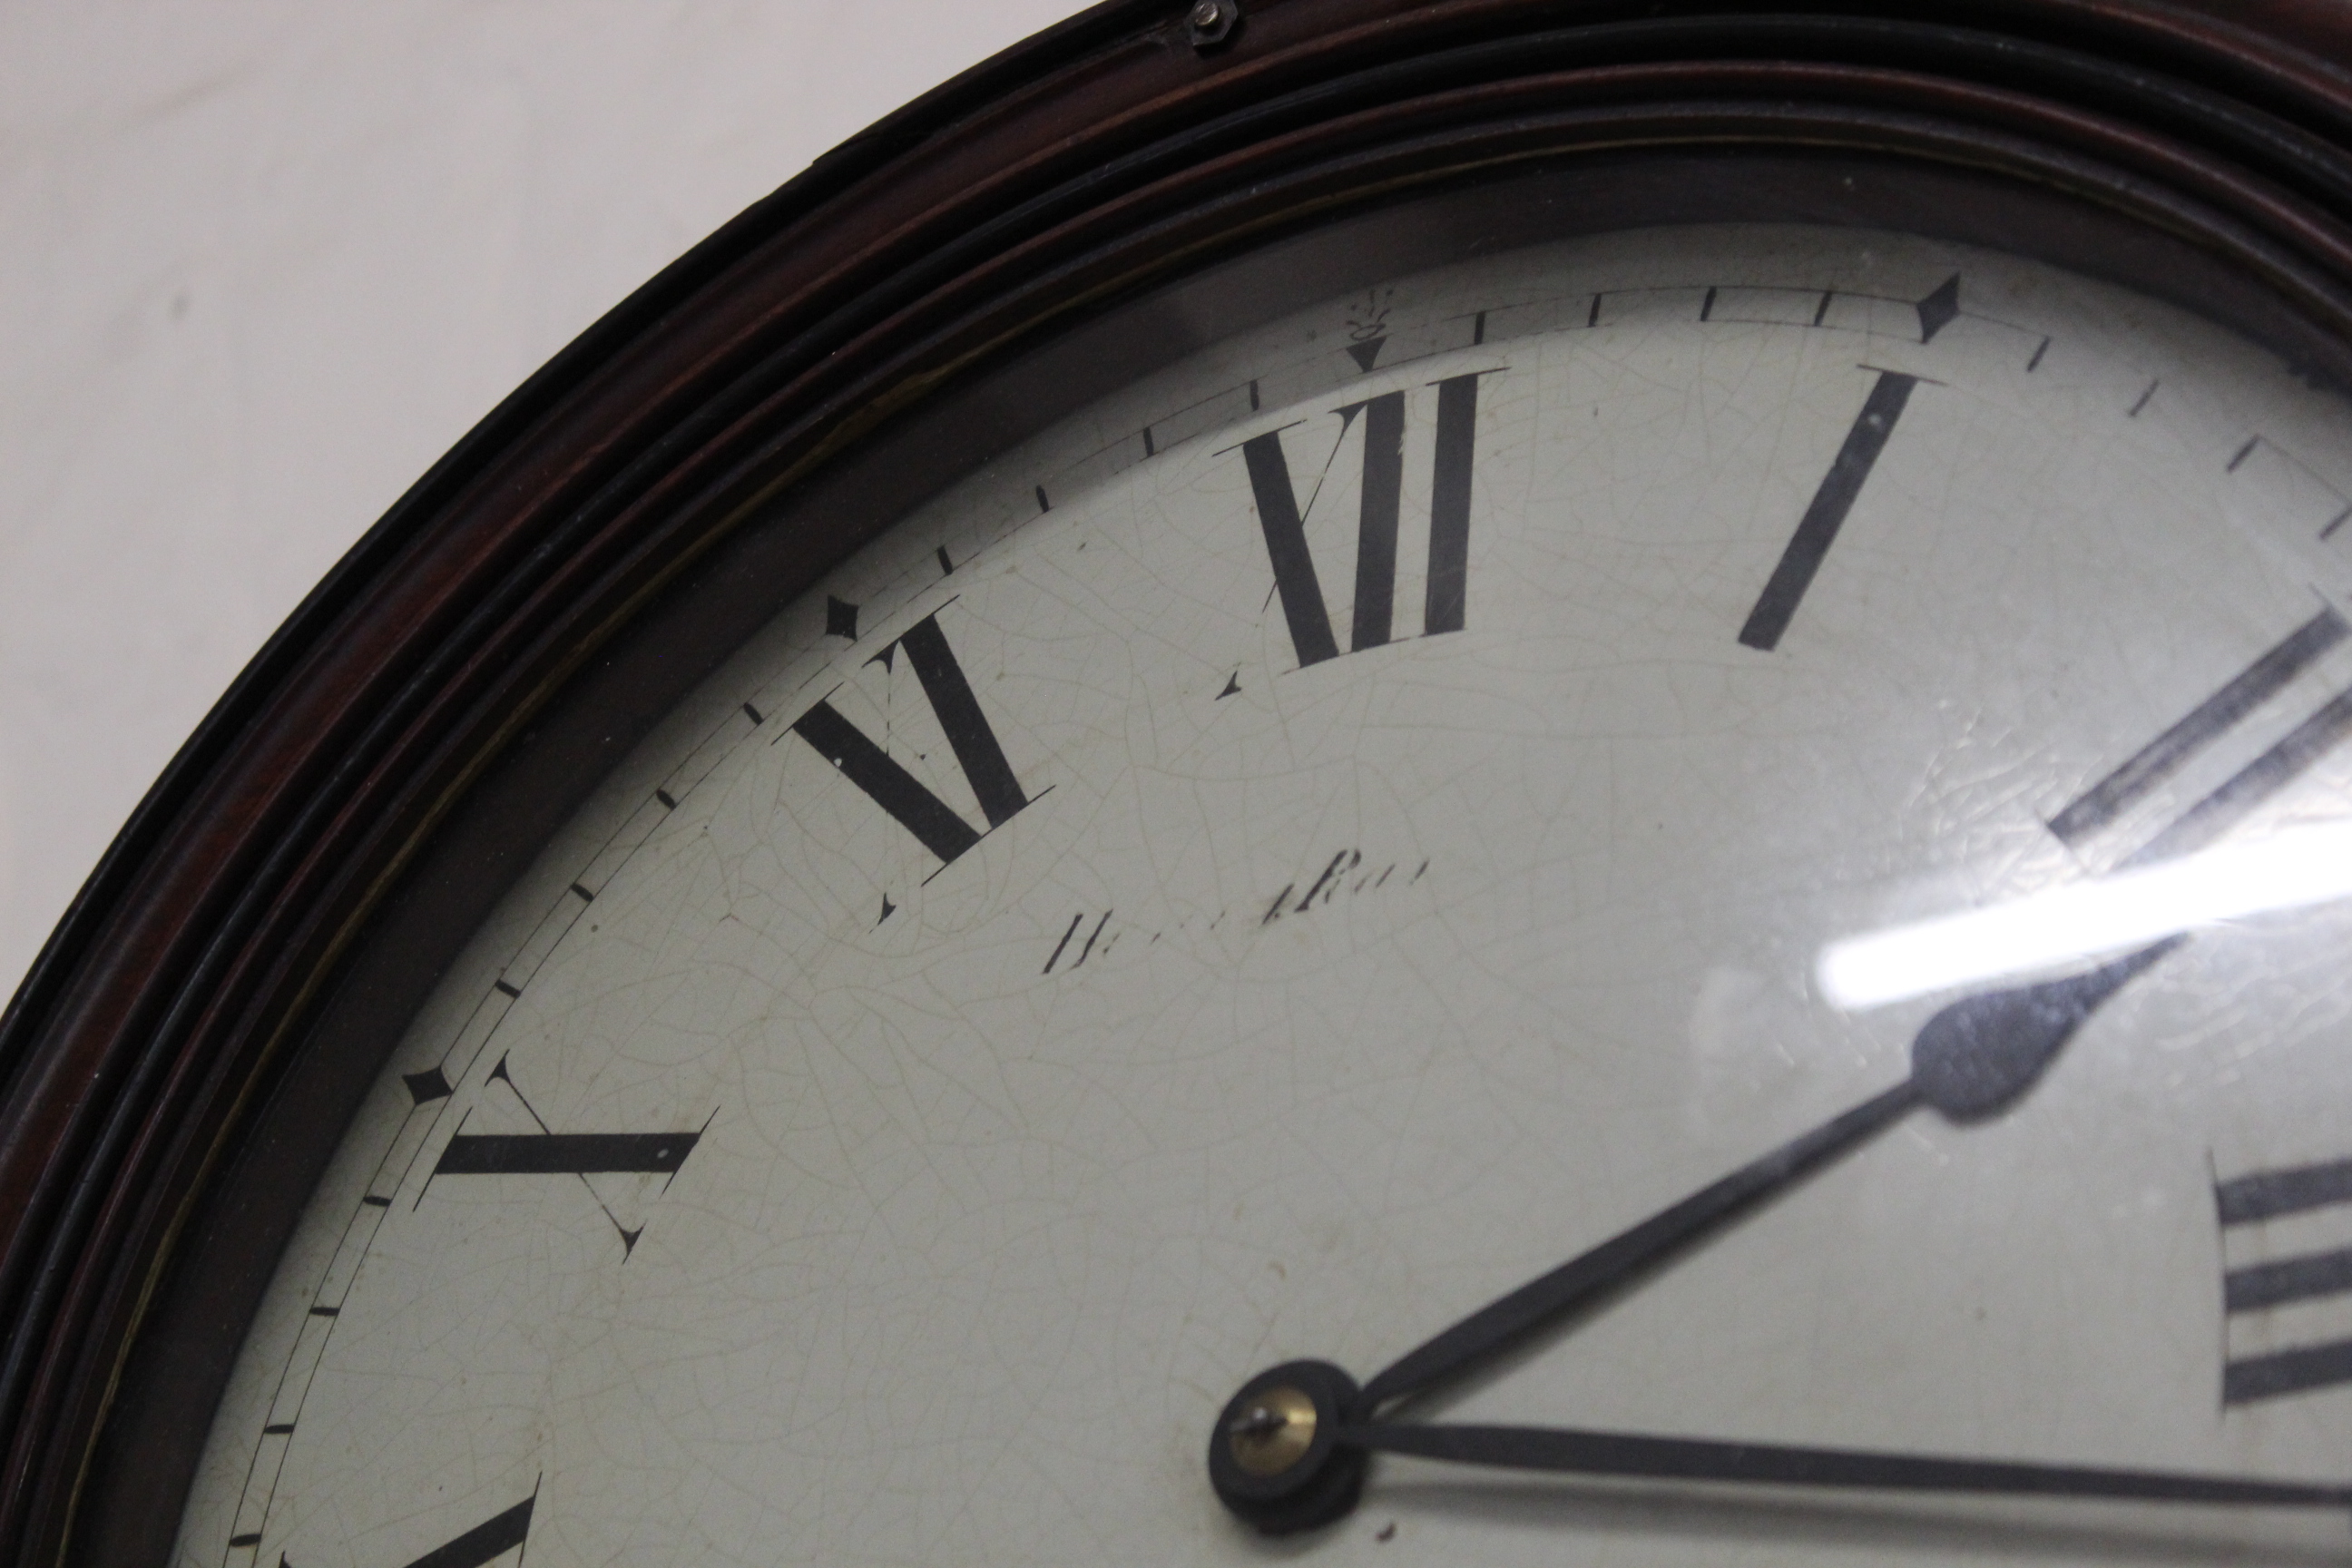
point(2252, 1290)
point(1283, 521)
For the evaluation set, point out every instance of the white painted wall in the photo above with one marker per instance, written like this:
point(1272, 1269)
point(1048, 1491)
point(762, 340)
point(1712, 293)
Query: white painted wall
point(262, 262)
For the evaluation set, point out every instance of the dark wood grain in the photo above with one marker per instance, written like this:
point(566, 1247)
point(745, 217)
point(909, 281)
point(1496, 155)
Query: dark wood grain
point(180, 1062)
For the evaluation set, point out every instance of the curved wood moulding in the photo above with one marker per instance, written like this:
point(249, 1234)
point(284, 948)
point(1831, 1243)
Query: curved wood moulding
point(183, 1056)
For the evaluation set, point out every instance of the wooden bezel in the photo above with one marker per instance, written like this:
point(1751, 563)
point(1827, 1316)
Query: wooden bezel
point(184, 1055)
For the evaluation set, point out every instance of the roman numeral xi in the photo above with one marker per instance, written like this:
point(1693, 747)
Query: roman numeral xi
point(911, 802)
point(1283, 521)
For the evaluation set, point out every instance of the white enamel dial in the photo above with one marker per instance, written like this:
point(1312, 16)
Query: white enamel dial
point(1118, 933)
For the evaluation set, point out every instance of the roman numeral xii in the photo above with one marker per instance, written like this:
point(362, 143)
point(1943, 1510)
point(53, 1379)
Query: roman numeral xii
point(1283, 521)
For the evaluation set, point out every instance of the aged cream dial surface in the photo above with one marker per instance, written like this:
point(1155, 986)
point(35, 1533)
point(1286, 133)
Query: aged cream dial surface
point(1337, 828)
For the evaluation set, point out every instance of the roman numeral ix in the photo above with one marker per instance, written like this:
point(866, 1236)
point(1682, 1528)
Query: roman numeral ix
point(910, 802)
point(1283, 521)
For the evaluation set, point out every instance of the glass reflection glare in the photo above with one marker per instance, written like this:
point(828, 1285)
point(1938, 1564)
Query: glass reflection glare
point(2059, 925)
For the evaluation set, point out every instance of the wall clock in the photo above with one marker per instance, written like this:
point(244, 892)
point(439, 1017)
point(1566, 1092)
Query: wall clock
point(1337, 779)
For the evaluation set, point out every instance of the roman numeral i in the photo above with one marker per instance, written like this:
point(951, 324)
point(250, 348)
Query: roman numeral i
point(1776, 607)
point(1818, 529)
point(1283, 521)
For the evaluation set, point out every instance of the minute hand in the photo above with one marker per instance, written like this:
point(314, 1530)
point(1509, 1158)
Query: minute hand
point(1564, 1449)
point(1969, 1060)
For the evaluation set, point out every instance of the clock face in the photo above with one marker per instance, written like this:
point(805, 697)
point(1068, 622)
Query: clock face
point(1348, 823)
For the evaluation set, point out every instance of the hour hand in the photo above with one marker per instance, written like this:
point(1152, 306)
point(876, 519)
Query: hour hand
point(1971, 1059)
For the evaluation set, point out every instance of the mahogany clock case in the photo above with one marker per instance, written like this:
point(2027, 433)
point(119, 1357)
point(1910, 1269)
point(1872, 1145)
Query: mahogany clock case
point(1114, 194)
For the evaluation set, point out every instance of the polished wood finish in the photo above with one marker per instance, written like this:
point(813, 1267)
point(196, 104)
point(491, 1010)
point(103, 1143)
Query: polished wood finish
point(183, 1056)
